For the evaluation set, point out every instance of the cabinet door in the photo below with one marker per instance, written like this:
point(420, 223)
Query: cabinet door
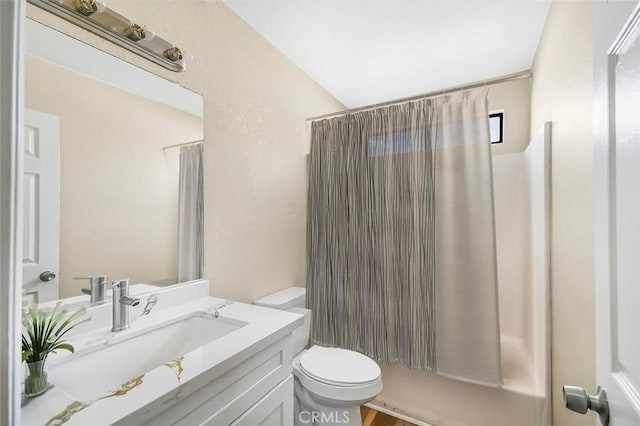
point(275, 409)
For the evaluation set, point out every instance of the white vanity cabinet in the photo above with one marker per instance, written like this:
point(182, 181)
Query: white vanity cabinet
point(256, 391)
point(190, 362)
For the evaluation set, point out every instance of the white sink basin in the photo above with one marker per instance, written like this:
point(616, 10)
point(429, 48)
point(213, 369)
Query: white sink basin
point(96, 372)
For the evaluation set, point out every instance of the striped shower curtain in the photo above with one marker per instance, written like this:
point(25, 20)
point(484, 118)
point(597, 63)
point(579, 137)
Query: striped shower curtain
point(190, 213)
point(401, 261)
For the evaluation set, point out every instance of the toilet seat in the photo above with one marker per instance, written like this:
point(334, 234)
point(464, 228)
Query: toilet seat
point(339, 367)
point(338, 374)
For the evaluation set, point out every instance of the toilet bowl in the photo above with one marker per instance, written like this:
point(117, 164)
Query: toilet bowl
point(330, 383)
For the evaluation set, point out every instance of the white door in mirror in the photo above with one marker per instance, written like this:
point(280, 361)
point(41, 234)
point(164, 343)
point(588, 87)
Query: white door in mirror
point(616, 41)
point(41, 211)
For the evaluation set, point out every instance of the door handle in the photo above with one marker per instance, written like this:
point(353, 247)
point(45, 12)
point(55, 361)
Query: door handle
point(576, 399)
point(47, 276)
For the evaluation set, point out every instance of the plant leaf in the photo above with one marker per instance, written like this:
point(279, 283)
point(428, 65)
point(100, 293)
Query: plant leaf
point(65, 346)
point(44, 329)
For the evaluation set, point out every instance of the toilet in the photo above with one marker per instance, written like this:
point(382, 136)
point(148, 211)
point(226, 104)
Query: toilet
point(330, 383)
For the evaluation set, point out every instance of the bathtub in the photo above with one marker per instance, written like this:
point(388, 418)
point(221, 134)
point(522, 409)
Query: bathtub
point(522, 209)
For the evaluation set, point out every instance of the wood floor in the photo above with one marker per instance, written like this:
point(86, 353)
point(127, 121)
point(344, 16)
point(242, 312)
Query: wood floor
point(371, 417)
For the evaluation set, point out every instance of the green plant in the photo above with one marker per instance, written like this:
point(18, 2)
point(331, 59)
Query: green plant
point(43, 330)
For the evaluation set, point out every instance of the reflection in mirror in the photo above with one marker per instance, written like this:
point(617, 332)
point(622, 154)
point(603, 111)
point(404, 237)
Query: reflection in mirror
point(101, 194)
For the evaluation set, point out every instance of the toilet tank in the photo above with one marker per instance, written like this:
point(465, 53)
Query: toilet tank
point(291, 299)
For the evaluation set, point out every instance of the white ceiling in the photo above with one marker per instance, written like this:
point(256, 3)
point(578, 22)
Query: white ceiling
point(369, 51)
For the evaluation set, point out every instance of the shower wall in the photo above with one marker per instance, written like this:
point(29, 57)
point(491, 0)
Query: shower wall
point(521, 190)
point(522, 208)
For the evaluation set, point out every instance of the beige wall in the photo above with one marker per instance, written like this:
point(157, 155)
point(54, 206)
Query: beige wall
point(562, 93)
point(256, 103)
point(514, 97)
point(119, 189)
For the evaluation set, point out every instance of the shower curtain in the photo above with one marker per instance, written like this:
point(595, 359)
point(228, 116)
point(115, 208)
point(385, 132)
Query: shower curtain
point(401, 258)
point(190, 214)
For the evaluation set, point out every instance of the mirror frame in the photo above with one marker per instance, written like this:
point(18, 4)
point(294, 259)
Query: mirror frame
point(12, 17)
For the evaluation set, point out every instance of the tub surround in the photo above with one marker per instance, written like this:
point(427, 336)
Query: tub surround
point(256, 343)
point(522, 207)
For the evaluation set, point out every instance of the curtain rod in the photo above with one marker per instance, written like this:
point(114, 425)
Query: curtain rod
point(198, 142)
point(503, 79)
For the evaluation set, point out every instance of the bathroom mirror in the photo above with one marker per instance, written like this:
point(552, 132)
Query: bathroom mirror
point(101, 192)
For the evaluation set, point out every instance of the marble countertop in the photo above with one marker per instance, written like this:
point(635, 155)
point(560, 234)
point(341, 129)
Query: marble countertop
point(169, 381)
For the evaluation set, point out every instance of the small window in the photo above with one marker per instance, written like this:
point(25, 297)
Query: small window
point(496, 127)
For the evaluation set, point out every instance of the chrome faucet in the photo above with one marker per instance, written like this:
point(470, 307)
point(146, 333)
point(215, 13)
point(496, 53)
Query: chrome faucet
point(97, 287)
point(120, 305)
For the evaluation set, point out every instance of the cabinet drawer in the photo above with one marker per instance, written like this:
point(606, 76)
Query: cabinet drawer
point(275, 409)
point(228, 396)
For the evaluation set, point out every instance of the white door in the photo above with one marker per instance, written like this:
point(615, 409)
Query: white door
point(41, 238)
point(616, 114)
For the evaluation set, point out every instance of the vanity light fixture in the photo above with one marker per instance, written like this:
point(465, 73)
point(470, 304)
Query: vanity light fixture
point(96, 17)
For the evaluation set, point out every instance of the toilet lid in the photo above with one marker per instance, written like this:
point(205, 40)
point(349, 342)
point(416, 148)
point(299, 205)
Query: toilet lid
point(339, 366)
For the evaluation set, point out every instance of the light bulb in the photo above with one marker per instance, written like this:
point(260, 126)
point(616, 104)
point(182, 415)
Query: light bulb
point(101, 6)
